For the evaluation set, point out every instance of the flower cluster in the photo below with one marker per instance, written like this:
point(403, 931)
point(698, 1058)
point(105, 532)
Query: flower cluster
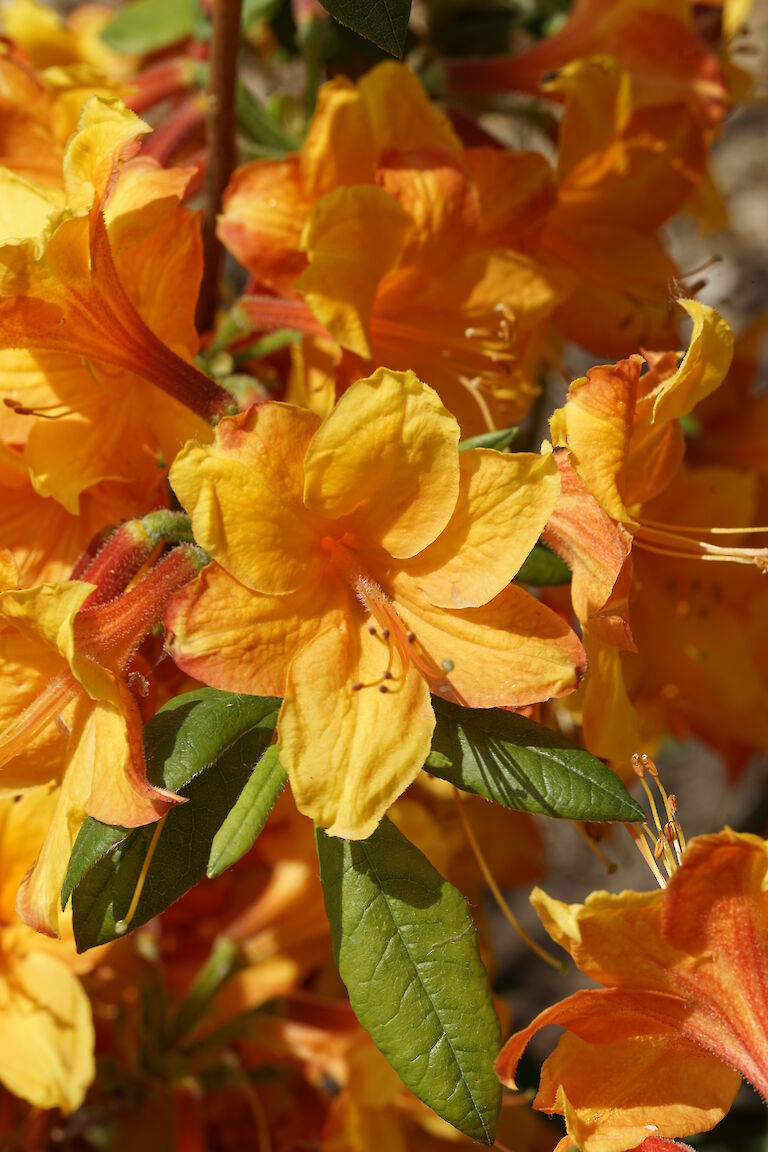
point(311, 546)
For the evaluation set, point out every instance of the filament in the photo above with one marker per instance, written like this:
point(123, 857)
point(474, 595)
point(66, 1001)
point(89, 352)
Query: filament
point(559, 965)
point(121, 926)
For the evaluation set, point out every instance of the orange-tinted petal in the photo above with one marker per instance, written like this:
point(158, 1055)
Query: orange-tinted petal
point(241, 641)
point(352, 238)
point(264, 211)
point(510, 652)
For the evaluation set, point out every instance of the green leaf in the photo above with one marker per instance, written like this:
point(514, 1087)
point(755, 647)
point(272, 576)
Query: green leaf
point(145, 25)
point(385, 22)
point(499, 440)
point(406, 948)
point(203, 745)
point(245, 821)
point(519, 764)
point(260, 126)
point(543, 568)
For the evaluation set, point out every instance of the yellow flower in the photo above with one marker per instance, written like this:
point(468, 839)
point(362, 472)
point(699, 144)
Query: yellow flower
point(49, 39)
point(46, 1030)
point(361, 562)
point(682, 1008)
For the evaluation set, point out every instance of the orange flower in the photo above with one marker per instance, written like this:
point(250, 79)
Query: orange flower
point(681, 1012)
point(352, 590)
point(652, 39)
point(392, 234)
point(97, 298)
point(621, 174)
point(692, 587)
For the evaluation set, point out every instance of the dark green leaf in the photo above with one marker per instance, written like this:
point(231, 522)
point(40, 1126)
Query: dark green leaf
point(543, 567)
point(406, 948)
point(245, 821)
point(519, 764)
point(385, 22)
point(499, 440)
point(145, 25)
point(203, 745)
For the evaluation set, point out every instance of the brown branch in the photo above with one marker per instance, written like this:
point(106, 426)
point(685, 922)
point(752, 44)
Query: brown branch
point(220, 132)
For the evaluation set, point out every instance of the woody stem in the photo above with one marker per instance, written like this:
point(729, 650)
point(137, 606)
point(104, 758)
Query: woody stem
point(220, 132)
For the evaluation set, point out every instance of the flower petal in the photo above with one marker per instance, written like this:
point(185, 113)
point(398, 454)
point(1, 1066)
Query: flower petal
point(613, 1094)
point(352, 238)
point(349, 754)
point(511, 652)
point(598, 419)
point(264, 211)
point(504, 503)
point(244, 494)
point(703, 367)
point(386, 456)
point(46, 1029)
point(241, 641)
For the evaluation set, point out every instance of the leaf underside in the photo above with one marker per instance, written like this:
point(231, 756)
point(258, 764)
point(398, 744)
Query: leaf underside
point(385, 22)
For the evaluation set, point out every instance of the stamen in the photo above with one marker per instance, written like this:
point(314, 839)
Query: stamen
point(668, 543)
point(45, 412)
point(559, 965)
point(122, 926)
point(644, 851)
point(695, 529)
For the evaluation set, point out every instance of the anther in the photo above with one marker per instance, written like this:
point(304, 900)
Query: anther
point(385, 633)
point(372, 630)
point(649, 765)
point(358, 686)
point(672, 802)
point(410, 636)
point(389, 675)
point(637, 765)
point(660, 848)
point(383, 688)
point(670, 832)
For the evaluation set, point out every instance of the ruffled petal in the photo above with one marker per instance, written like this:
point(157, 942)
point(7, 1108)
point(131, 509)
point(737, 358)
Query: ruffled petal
point(387, 458)
point(504, 503)
point(612, 1095)
point(244, 495)
point(241, 641)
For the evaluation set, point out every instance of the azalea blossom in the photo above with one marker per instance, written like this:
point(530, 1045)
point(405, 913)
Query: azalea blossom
point(662, 580)
point(680, 1014)
point(387, 242)
point(360, 563)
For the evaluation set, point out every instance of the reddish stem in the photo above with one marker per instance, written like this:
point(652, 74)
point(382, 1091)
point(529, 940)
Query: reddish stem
point(221, 146)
